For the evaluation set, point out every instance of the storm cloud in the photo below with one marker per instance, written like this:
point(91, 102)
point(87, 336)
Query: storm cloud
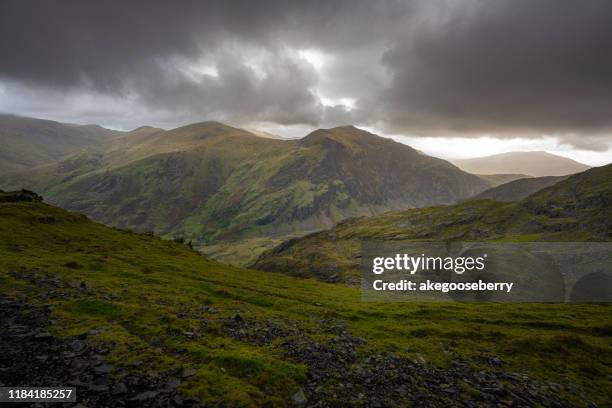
point(507, 67)
point(528, 68)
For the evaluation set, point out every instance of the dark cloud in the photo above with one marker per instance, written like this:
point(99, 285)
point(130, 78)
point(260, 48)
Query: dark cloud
point(143, 50)
point(507, 67)
point(101, 43)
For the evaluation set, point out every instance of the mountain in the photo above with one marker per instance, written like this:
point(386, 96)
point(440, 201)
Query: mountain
point(536, 164)
point(518, 189)
point(27, 142)
point(495, 180)
point(578, 208)
point(213, 183)
point(138, 320)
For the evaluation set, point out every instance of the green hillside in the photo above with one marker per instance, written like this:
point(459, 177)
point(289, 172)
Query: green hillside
point(495, 180)
point(235, 194)
point(578, 208)
point(517, 190)
point(28, 142)
point(250, 338)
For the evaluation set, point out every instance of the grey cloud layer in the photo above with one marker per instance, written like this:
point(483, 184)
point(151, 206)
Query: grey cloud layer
point(507, 66)
point(450, 67)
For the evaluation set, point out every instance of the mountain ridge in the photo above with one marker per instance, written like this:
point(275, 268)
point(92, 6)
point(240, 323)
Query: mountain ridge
point(210, 182)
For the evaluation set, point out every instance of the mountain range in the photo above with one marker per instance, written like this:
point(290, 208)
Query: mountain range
point(212, 183)
point(536, 164)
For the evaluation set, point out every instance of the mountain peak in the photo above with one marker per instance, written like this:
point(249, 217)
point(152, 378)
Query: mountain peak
point(345, 135)
point(206, 125)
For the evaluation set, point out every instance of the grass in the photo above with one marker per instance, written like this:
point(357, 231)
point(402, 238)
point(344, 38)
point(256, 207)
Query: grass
point(147, 292)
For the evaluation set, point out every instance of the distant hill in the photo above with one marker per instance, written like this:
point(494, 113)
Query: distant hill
point(578, 208)
point(27, 142)
point(536, 164)
point(518, 189)
point(213, 183)
point(495, 180)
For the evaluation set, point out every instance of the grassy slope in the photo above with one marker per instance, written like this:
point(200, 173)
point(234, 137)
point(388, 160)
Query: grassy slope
point(495, 180)
point(576, 209)
point(148, 291)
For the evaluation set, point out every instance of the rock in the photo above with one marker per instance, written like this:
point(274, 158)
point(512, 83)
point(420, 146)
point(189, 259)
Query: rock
point(44, 335)
point(97, 330)
point(77, 346)
point(299, 397)
point(147, 395)
point(97, 388)
point(104, 369)
point(419, 359)
point(495, 361)
point(173, 382)
point(210, 309)
point(120, 388)
point(188, 372)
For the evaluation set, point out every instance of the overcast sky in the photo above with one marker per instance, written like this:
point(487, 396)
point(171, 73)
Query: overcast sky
point(456, 78)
